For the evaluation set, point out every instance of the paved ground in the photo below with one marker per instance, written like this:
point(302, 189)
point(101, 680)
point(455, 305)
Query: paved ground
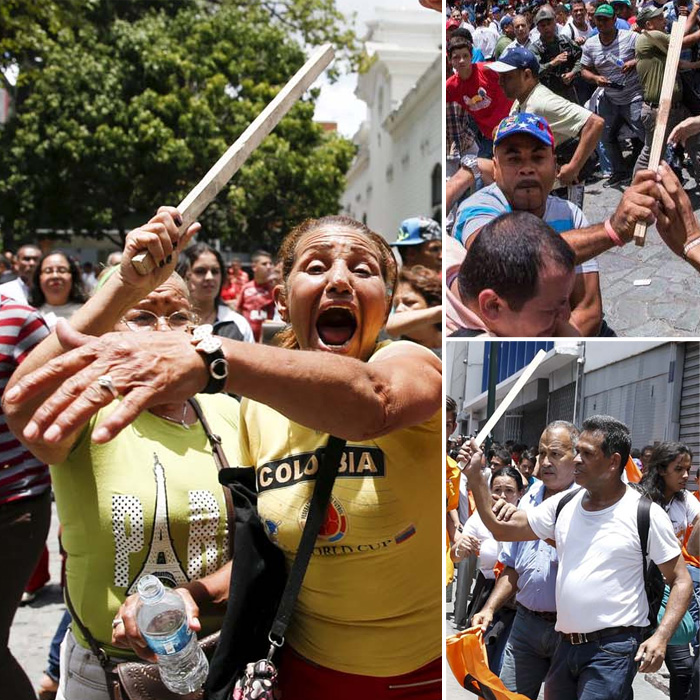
point(652, 686)
point(668, 306)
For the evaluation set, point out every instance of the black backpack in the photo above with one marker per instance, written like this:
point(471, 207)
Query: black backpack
point(653, 579)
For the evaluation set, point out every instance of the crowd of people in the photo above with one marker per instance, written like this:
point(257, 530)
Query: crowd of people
point(560, 593)
point(542, 99)
point(148, 500)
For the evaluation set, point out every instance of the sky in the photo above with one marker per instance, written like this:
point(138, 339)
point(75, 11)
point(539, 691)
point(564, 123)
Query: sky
point(337, 102)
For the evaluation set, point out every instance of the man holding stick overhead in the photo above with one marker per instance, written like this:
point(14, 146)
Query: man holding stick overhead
point(602, 609)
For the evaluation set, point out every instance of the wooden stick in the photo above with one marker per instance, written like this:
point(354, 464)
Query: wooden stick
point(510, 397)
point(659, 140)
point(224, 169)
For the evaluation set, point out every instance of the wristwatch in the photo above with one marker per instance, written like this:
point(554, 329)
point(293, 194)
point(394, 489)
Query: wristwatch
point(210, 347)
point(471, 163)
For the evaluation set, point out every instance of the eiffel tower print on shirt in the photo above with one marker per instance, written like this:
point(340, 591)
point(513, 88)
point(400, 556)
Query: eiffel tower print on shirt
point(162, 561)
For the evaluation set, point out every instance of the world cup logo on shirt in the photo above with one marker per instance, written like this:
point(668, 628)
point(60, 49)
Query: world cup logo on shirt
point(335, 524)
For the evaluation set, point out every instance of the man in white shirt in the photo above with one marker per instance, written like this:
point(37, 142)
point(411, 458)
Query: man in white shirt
point(26, 262)
point(602, 609)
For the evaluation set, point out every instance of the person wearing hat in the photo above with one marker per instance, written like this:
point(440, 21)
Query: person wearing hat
point(419, 242)
point(559, 56)
point(576, 130)
point(472, 91)
point(623, 10)
point(651, 51)
point(608, 61)
point(524, 172)
point(508, 35)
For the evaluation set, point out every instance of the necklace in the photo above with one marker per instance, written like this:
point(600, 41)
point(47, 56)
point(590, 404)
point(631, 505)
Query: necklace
point(175, 420)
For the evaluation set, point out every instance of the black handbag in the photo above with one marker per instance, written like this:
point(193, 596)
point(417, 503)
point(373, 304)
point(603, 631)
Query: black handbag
point(260, 601)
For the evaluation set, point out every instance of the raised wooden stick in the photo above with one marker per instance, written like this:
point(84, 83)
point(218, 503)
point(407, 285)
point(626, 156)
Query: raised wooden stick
point(662, 114)
point(224, 169)
point(510, 397)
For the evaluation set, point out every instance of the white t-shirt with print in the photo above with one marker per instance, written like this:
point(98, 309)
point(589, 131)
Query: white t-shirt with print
point(683, 513)
point(600, 582)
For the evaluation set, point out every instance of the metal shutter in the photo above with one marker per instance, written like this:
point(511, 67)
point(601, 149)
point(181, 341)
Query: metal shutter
point(690, 401)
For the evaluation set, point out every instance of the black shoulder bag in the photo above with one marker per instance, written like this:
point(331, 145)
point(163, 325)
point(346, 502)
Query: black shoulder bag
point(260, 604)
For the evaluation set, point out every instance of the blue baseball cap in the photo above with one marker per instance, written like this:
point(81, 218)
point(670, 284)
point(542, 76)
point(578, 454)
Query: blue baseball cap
point(524, 123)
point(506, 21)
point(516, 58)
point(417, 230)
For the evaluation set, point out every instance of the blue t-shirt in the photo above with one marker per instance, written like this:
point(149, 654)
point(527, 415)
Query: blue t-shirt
point(490, 202)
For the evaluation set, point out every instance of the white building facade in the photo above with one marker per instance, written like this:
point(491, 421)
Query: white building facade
point(651, 386)
point(397, 172)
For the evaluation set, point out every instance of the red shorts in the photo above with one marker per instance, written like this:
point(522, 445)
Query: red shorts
point(301, 679)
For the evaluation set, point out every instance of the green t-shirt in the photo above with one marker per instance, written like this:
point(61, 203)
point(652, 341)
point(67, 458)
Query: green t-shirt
point(501, 44)
point(650, 51)
point(148, 502)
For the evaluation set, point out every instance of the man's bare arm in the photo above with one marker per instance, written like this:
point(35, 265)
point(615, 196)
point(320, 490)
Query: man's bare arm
point(514, 530)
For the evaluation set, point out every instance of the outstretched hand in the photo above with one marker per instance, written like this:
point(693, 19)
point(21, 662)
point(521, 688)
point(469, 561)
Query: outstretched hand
point(147, 369)
point(676, 221)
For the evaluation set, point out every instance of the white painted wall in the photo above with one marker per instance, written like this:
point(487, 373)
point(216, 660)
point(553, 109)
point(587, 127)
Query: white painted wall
point(401, 141)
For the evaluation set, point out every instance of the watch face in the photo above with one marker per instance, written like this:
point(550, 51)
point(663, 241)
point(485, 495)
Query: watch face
point(209, 344)
point(203, 331)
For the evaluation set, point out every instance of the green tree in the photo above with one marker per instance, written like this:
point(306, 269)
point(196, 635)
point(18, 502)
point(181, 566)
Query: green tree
point(132, 102)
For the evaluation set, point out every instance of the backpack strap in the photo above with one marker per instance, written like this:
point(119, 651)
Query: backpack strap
point(643, 508)
point(564, 501)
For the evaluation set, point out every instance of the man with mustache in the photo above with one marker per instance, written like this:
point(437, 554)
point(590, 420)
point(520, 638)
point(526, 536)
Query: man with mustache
point(531, 571)
point(524, 173)
point(602, 607)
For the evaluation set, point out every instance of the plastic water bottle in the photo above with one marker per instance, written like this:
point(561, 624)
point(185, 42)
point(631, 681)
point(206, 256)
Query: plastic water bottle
point(162, 621)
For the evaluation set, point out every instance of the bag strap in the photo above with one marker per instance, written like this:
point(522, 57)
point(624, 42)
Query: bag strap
point(564, 501)
point(95, 648)
point(317, 513)
point(643, 508)
point(221, 463)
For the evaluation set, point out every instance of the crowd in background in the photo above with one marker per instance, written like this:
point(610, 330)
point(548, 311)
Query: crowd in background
point(517, 597)
point(543, 99)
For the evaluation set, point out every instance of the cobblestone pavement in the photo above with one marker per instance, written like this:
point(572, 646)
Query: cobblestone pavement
point(666, 307)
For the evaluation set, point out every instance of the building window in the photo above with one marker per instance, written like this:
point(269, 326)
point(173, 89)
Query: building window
point(436, 186)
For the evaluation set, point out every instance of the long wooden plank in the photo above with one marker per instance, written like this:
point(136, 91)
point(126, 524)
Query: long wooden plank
point(665, 100)
point(230, 162)
point(510, 397)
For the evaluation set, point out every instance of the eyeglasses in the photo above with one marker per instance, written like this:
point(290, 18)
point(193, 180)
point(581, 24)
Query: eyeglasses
point(143, 320)
point(55, 271)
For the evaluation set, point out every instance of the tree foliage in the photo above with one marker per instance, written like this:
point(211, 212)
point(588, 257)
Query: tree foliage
point(132, 101)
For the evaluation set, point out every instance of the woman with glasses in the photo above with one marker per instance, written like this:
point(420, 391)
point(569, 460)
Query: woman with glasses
point(147, 502)
point(57, 287)
point(202, 267)
point(365, 625)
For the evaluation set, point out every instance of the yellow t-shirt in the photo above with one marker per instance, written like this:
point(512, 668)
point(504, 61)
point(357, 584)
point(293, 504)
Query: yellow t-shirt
point(370, 602)
point(148, 502)
point(452, 476)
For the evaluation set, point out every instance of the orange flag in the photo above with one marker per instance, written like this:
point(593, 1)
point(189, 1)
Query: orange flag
point(466, 655)
point(634, 476)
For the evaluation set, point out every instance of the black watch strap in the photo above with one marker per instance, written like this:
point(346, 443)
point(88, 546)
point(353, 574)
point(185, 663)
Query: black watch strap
point(209, 347)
